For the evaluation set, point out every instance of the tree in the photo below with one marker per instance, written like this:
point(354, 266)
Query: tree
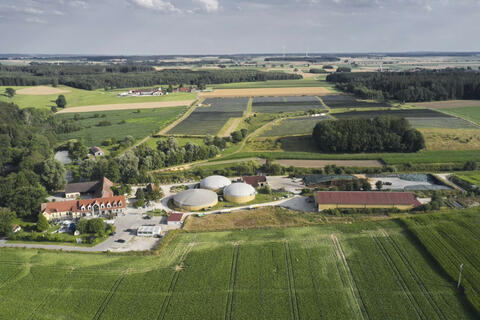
point(7, 218)
point(96, 226)
point(140, 194)
point(82, 226)
point(52, 174)
point(61, 102)
point(10, 92)
point(236, 136)
point(379, 185)
point(42, 223)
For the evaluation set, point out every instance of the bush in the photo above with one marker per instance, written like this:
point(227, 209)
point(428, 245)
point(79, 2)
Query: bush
point(42, 223)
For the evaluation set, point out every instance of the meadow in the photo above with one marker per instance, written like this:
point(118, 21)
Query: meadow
point(211, 116)
point(79, 98)
point(295, 126)
point(318, 81)
point(123, 123)
point(471, 176)
point(340, 101)
point(336, 271)
point(469, 113)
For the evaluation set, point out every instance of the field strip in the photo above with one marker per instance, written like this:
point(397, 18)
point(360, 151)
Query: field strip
point(414, 274)
point(109, 297)
point(324, 163)
point(350, 281)
point(229, 127)
point(461, 117)
point(291, 282)
point(261, 92)
point(127, 106)
point(323, 103)
point(232, 283)
point(173, 282)
point(447, 104)
point(249, 107)
point(398, 276)
point(40, 91)
point(185, 116)
point(316, 288)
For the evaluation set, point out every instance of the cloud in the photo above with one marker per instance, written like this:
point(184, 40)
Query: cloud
point(209, 5)
point(157, 5)
point(35, 20)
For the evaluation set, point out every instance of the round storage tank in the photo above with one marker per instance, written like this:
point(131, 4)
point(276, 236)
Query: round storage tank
point(195, 199)
point(239, 193)
point(215, 183)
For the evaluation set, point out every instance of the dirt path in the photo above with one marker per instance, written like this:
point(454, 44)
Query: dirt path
point(128, 106)
point(229, 127)
point(185, 116)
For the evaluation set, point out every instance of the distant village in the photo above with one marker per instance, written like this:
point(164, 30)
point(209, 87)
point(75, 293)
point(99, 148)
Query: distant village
point(156, 91)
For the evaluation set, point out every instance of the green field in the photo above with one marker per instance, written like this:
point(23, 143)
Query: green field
point(308, 82)
point(137, 125)
point(471, 176)
point(79, 98)
point(469, 113)
point(289, 127)
point(359, 271)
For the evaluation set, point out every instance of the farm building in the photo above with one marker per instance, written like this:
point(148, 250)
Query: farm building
point(148, 231)
point(321, 180)
point(97, 151)
point(255, 181)
point(239, 193)
point(62, 210)
point(361, 199)
point(195, 199)
point(89, 189)
point(175, 219)
point(215, 183)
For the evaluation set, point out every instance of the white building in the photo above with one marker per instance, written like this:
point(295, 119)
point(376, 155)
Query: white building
point(149, 231)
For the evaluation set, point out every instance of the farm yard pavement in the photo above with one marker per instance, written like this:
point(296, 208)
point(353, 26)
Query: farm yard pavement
point(40, 91)
point(128, 106)
point(259, 92)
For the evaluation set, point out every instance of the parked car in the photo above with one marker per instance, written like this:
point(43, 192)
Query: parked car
point(120, 240)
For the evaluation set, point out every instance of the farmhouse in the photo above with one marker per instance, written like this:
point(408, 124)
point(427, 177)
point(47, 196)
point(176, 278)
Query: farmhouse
point(90, 189)
point(175, 219)
point(255, 181)
point(149, 231)
point(73, 209)
point(97, 151)
point(361, 199)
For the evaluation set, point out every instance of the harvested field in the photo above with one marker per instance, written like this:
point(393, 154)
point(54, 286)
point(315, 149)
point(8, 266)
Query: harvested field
point(338, 101)
point(451, 139)
point(323, 163)
point(448, 104)
point(260, 92)
point(41, 91)
point(286, 104)
point(128, 106)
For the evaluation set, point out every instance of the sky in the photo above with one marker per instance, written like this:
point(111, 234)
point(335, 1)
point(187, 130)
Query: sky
point(237, 26)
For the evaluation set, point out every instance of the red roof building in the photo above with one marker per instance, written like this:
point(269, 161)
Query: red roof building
point(365, 199)
point(255, 181)
point(72, 209)
point(175, 218)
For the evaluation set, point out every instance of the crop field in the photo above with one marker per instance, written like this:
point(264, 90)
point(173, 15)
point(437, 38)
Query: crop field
point(338, 101)
point(451, 139)
point(276, 84)
point(122, 123)
point(211, 116)
point(80, 98)
point(453, 239)
point(471, 176)
point(263, 92)
point(448, 104)
point(318, 272)
point(285, 104)
point(295, 126)
point(469, 113)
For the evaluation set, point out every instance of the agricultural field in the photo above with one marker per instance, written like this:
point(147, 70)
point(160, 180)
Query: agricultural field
point(294, 126)
point(265, 92)
point(418, 118)
point(211, 116)
point(318, 81)
point(448, 104)
point(285, 104)
point(79, 98)
point(471, 176)
point(468, 113)
point(316, 272)
point(340, 101)
point(451, 139)
point(122, 123)
point(453, 239)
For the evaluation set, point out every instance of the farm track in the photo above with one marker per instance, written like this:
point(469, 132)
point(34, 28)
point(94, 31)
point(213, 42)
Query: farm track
point(194, 106)
point(399, 277)
point(414, 274)
point(295, 309)
point(109, 297)
point(173, 283)
point(350, 282)
point(232, 283)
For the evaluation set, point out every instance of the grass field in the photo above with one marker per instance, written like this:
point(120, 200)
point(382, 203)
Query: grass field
point(310, 82)
point(451, 139)
point(322, 272)
point(79, 97)
point(469, 113)
point(264, 92)
point(471, 176)
point(137, 125)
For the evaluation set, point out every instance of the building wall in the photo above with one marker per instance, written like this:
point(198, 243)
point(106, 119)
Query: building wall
point(74, 215)
point(362, 206)
point(244, 199)
point(73, 195)
point(195, 208)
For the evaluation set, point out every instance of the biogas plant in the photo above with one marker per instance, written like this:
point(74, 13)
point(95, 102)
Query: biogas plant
point(207, 195)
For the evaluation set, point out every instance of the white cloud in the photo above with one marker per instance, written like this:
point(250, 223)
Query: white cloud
point(157, 5)
point(35, 20)
point(209, 5)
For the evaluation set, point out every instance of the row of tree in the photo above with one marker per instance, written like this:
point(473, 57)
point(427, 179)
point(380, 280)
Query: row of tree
point(380, 134)
point(426, 85)
point(94, 77)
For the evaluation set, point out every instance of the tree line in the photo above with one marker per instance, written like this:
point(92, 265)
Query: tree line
point(126, 76)
point(412, 86)
point(381, 134)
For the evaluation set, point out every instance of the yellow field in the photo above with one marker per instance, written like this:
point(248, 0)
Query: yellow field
point(451, 139)
point(128, 106)
point(41, 91)
point(262, 92)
